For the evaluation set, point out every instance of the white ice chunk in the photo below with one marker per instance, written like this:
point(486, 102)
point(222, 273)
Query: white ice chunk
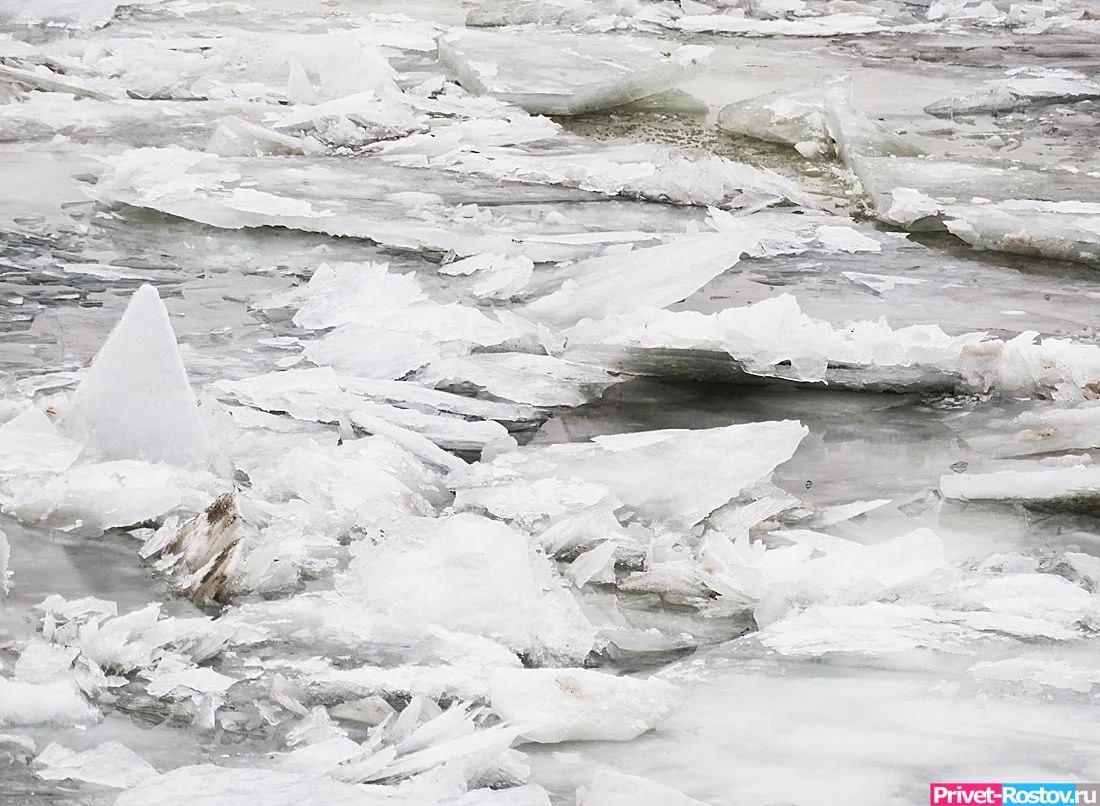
point(471, 574)
point(199, 679)
point(110, 764)
point(1032, 677)
point(582, 704)
point(595, 564)
point(539, 380)
point(554, 73)
point(825, 25)
point(68, 12)
point(654, 277)
point(1024, 88)
point(136, 401)
point(611, 788)
point(775, 338)
point(371, 352)
point(30, 443)
point(1065, 487)
point(789, 118)
point(98, 496)
point(321, 395)
point(56, 702)
point(674, 476)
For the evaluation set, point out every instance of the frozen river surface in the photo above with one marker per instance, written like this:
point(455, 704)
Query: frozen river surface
point(507, 403)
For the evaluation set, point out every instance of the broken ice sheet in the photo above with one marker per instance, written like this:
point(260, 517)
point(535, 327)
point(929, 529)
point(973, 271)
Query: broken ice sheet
point(1025, 87)
point(631, 470)
point(31, 443)
point(322, 395)
point(774, 338)
point(302, 68)
point(1043, 429)
point(553, 73)
point(603, 286)
point(465, 214)
point(110, 764)
point(824, 25)
point(370, 306)
point(1074, 488)
point(537, 380)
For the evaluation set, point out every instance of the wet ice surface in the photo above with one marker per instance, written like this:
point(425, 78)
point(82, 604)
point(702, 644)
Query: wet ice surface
point(726, 437)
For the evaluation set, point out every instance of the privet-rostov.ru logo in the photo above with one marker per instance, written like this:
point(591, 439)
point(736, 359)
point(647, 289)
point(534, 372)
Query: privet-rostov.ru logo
point(956, 794)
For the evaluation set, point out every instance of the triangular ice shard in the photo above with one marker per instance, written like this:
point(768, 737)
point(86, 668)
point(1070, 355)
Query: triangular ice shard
point(136, 402)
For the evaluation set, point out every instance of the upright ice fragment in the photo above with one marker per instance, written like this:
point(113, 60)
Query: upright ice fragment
point(566, 74)
point(136, 401)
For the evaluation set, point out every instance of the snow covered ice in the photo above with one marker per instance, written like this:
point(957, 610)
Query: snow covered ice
point(538, 402)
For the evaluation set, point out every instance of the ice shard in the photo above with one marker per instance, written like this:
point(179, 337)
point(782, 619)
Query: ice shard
point(136, 401)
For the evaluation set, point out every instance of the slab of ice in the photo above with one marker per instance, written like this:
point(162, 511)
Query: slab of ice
point(603, 14)
point(676, 477)
point(636, 170)
point(556, 73)
point(1025, 88)
point(30, 443)
point(95, 497)
point(57, 702)
point(582, 704)
point(825, 25)
point(774, 338)
point(1026, 606)
point(1073, 488)
point(65, 12)
point(361, 299)
point(617, 283)
point(789, 118)
point(611, 788)
point(321, 395)
point(537, 380)
point(272, 66)
point(851, 575)
point(1037, 678)
point(110, 764)
point(990, 205)
point(136, 401)
point(464, 207)
point(1048, 429)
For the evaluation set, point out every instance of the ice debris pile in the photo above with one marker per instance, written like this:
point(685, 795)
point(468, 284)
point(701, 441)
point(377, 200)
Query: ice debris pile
point(477, 424)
